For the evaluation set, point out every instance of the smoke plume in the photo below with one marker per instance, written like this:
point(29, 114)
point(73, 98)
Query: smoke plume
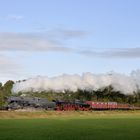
point(126, 84)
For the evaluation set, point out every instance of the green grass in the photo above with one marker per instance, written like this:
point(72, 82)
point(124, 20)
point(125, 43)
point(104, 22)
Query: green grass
point(113, 126)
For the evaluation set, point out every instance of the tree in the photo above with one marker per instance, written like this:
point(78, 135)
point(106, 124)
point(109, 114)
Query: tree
point(1, 99)
point(0, 85)
point(5, 91)
point(8, 87)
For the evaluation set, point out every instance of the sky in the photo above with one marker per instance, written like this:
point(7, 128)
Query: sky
point(51, 37)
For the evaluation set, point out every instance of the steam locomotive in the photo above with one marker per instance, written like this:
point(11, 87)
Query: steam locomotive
point(15, 103)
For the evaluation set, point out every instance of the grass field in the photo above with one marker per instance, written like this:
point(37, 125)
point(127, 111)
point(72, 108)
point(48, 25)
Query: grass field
point(107, 125)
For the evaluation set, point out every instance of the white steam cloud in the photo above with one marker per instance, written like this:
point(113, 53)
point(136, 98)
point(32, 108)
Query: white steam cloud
point(88, 81)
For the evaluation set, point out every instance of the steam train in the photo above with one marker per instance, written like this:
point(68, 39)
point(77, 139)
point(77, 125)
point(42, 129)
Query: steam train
point(15, 103)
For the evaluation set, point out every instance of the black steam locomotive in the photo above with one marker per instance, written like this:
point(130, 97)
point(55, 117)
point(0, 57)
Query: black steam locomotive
point(15, 103)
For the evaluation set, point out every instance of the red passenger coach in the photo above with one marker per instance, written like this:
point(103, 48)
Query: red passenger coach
point(102, 105)
point(124, 106)
point(112, 105)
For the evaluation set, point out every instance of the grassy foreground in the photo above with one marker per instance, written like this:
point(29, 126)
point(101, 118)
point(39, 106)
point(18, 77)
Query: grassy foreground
point(107, 125)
